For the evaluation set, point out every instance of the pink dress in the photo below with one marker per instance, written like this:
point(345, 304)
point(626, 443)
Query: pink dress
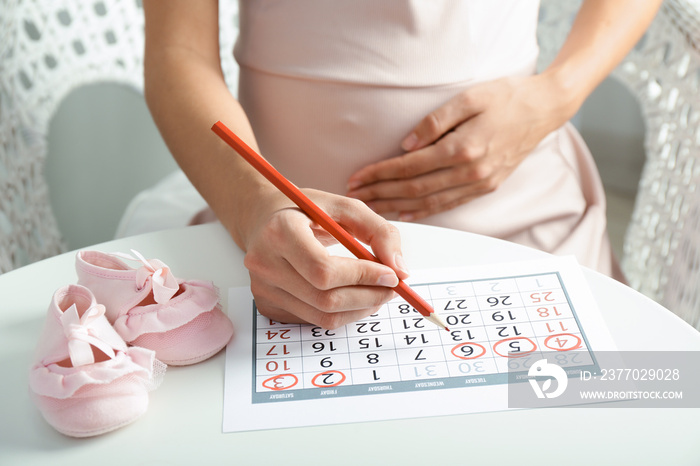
point(332, 86)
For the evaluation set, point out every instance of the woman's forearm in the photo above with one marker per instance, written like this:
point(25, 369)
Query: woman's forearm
point(186, 94)
point(603, 32)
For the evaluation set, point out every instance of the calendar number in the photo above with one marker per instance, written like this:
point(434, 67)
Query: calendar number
point(522, 363)
point(365, 343)
point(514, 347)
point(280, 382)
point(319, 332)
point(508, 331)
point(547, 312)
point(274, 366)
point(563, 342)
point(468, 350)
point(457, 304)
point(499, 316)
point(471, 367)
point(457, 335)
point(274, 351)
point(499, 300)
point(365, 327)
point(426, 371)
point(328, 379)
point(410, 340)
point(321, 346)
point(283, 334)
point(545, 296)
point(460, 319)
point(416, 322)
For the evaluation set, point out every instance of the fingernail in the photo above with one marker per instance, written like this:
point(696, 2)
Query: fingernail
point(390, 280)
point(401, 263)
point(410, 142)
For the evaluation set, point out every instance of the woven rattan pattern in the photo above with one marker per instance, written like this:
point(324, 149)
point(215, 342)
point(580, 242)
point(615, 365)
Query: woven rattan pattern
point(48, 49)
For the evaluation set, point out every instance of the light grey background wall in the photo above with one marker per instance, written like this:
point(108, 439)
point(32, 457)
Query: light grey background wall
point(611, 123)
point(104, 149)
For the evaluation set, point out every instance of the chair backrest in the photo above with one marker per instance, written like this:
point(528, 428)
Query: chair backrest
point(672, 176)
point(664, 72)
point(47, 50)
point(662, 246)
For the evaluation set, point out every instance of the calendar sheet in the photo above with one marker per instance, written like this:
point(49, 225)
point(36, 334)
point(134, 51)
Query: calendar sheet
point(395, 364)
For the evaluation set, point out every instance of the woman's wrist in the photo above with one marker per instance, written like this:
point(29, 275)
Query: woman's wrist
point(251, 198)
point(565, 92)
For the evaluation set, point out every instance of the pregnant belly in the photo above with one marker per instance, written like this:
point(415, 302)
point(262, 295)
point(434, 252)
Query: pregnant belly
point(318, 133)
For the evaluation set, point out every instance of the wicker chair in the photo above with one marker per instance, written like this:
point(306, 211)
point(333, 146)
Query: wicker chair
point(662, 244)
point(47, 50)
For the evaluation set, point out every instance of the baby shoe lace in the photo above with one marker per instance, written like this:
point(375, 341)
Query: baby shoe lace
point(163, 282)
point(87, 331)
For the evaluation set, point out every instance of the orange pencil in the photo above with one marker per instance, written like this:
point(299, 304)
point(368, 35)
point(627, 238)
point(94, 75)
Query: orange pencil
point(319, 216)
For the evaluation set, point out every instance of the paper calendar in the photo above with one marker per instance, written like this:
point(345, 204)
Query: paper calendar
point(395, 364)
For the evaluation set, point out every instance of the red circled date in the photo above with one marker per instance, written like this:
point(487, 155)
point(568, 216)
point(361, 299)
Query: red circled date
point(280, 382)
point(515, 344)
point(563, 342)
point(327, 379)
point(468, 350)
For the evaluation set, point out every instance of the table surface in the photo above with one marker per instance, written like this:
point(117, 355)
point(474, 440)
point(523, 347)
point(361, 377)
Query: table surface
point(184, 419)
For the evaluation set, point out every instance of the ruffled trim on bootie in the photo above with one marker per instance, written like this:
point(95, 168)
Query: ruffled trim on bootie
point(197, 297)
point(63, 382)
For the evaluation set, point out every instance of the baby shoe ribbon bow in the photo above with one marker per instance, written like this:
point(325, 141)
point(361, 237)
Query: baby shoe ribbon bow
point(86, 331)
point(163, 282)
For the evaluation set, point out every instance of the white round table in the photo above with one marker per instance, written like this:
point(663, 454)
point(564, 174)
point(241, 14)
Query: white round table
point(183, 423)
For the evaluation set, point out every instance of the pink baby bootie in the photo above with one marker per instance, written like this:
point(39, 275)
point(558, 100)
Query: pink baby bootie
point(180, 320)
point(86, 381)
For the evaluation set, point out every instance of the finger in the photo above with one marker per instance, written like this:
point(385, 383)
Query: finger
point(463, 145)
point(439, 201)
point(412, 216)
point(291, 264)
point(404, 166)
point(455, 197)
point(440, 121)
point(376, 195)
point(344, 298)
point(268, 299)
point(325, 272)
point(324, 320)
point(305, 269)
point(284, 278)
point(372, 229)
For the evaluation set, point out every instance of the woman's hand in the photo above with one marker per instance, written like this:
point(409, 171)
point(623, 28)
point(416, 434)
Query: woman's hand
point(295, 279)
point(464, 149)
point(467, 147)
